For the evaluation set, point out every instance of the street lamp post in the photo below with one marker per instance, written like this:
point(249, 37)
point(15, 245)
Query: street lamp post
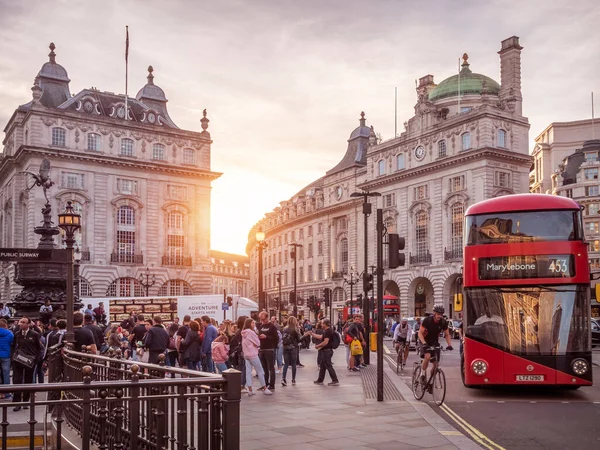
point(351, 283)
point(366, 211)
point(260, 239)
point(295, 257)
point(70, 222)
point(147, 280)
point(279, 299)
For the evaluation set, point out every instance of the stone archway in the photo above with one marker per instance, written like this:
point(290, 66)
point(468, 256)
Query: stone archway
point(452, 286)
point(420, 296)
point(390, 288)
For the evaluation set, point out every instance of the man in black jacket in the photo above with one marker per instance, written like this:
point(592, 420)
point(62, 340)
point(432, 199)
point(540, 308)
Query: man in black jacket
point(157, 340)
point(269, 339)
point(96, 331)
point(27, 342)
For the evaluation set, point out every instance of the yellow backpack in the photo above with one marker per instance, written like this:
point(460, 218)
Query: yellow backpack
point(356, 348)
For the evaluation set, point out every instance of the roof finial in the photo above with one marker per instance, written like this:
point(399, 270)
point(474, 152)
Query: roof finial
point(204, 121)
point(465, 64)
point(362, 118)
point(52, 55)
point(150, 76)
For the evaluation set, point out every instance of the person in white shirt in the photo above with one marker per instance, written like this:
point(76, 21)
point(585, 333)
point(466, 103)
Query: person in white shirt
point(403, 333)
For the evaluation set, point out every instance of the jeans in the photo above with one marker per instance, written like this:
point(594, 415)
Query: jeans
point(221, 366)
point(5, 367)
point(254, 362)
point(267, 359)
point(207, 363)
point(326, 365)
point(279, 356)
point(241, 366)
point(289, 356)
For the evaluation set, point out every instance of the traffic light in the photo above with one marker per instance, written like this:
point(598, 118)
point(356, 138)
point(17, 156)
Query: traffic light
point(327, 296)
point(367, 282)
point(317, 306)
point(395, 244)
point(293, 298)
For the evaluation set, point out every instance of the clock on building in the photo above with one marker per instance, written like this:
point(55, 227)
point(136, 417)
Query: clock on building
point(151, 118)
point(338, 192)
point(420, 152)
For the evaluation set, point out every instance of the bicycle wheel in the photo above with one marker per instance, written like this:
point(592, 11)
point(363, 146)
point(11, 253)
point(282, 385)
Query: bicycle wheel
point(417, 387)
point(439, 387)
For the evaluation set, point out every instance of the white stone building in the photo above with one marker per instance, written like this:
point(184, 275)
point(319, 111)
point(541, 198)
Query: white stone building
point(141, 184)
point(467, 142)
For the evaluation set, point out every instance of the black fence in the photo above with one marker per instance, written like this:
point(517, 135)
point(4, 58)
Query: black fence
point(118, 404)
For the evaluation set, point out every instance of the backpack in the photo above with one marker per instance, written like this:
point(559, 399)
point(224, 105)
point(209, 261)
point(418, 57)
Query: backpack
point(347, 338)
point(337, 339)
point(288, 341)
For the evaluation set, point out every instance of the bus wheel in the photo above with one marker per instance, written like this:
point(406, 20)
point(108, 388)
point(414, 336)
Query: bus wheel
point(462, 373)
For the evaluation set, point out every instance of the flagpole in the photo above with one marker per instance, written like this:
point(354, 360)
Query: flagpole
point(458, 85)
point(126, 69)
point(395, 112)
point(593, 130)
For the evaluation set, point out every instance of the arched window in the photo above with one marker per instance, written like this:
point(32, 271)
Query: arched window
point(126, 147)
point(158, 152)
point(458, 215)
point(400, 163)
point(344, 255)
point(59, 137)
point(442, 149)
point(466, 141)
point(189, 156)
point(94, 142)
point(422, 234)
point(85, 288)
point(501, 138)
point(175, 239)
point(126, 238)
point(125, 287)
point(175, 287)
point(381, 167)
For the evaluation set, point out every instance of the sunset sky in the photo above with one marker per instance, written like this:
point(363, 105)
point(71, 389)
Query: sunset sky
point(284, 81)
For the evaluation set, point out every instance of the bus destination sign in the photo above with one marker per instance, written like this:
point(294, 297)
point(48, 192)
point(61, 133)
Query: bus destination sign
point(526, 266)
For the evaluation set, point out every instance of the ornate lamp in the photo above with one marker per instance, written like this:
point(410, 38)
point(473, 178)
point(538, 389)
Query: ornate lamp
point(70, 222)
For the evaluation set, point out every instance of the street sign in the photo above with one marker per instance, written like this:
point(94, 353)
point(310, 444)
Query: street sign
point(33, 254)
point(224, 306)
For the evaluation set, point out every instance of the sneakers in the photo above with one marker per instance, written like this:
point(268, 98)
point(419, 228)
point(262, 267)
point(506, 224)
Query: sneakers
point(251, 393)
point(293, 382)
point(300, 365)
point(267, 392)
point(262, 388)
point(354, 369)
point(318, 382)
point(244, 390)
point(283, 383)
point(333, 383)
point(278, 371)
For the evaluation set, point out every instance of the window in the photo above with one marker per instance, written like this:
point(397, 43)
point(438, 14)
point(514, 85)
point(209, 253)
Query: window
point(442, 149)
point(344, 255)
point(310, 230)
point(158, 152)
point(59, 137)
point(176, 192)
point(591, 174)
point(125, 287)
point(293, 236)
point(301, 252)
point(381, 167)
point(85, 288)
point(301, 274)
point(593, 227)
point(343, 223)
point(501, 138)
point(421, 192)
point(126, 186)
point(279, 258)
point(70, 180)
point(126, 233)
point(592, 209)
point(466, 141)
point(320, 248)
point(94, 142)
point(389, 200)
point(310, 250)
point(594, 246)
point(457, 183)
point(320, 228)
point(176, 287)
point(591, 191)
point(400, 162)
point(501, 179)
point(126, 147)
point(458, 211)
point(310, 274)
point(569, 193)
point(422, 233)
point(320, 272)
point(301, 233)
point(591, 156)
point(189, 156)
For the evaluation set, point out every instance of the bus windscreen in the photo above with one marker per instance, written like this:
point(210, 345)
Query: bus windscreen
point(525, 226)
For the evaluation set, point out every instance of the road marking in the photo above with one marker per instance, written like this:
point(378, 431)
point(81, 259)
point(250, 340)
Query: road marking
point(451, 433)
point(475, 434)
point(386, 350)
point(500, 401)
point(469, 401)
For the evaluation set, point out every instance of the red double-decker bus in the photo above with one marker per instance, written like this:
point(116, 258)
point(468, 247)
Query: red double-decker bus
point(527, 317)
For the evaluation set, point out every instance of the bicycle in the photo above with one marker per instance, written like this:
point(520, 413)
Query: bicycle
point(436, 384)
point(400, 363)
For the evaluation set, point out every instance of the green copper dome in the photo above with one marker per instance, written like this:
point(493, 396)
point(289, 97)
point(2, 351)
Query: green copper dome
point(470, 83)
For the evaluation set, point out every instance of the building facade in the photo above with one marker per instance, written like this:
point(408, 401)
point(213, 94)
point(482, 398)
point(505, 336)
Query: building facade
point(467, 142)
point(231, 273)
point(141, 184)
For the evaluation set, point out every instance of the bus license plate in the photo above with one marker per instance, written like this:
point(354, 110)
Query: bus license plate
point(530, 377)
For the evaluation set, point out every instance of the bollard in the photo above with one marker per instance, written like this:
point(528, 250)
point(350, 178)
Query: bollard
point(373, 342)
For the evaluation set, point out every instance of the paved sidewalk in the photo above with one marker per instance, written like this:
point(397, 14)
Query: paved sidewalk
point(312, 417)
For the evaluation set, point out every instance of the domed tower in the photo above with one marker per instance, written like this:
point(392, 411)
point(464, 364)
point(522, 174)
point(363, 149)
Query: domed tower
point(154, 98)
point(358, 143)
point(53, 82)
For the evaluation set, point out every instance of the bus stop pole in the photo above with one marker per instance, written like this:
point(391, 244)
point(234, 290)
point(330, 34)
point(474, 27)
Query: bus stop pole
point(379, 305)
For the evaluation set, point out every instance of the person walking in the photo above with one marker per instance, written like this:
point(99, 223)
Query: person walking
point(191, 344)
point(290, 340)
point(210, 334)
point(236, 353)
point(6, 341)
point(220, 352)
point(325, 347)
point(172, 350)
point(250, 346)
point(267, 333)
point(157, 340)
point(27, 350)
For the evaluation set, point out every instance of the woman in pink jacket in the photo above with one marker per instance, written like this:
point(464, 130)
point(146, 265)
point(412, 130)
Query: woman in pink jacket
point(250, 346)
point(220, 352)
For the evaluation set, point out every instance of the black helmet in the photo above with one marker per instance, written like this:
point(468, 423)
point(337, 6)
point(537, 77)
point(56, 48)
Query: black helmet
point(439, 309)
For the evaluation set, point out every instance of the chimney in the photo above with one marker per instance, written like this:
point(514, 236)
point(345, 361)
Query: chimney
point(510, 74)
point(425, 86)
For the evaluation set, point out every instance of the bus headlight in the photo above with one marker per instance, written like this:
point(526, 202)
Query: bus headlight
point(479, 367)
point(580, 366)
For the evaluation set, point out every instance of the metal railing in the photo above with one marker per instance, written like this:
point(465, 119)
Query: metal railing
point(453, 254)
point(420, 258)
point(119, 404)
point(185, 261)
point(126, 258)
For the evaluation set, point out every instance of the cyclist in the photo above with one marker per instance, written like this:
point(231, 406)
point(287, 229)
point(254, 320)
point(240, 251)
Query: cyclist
point(402, 334)
point(429, 333)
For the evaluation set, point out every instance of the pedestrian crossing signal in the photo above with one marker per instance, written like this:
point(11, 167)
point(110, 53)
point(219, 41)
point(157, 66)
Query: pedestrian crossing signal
point(458, 302)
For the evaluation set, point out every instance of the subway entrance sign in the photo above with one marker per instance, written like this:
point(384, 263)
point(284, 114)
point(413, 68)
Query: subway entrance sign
point(33, 254)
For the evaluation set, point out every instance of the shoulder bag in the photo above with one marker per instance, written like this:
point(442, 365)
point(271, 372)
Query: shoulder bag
point(24, 359)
